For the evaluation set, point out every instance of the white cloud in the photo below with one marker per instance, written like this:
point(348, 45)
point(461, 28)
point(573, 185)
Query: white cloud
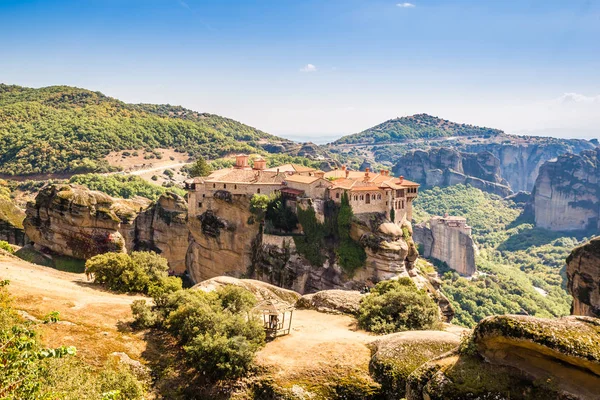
point(308, 68)
point(406, 5)
point(576, 98)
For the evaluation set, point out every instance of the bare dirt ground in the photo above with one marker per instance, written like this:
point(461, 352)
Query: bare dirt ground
point(147, 168)
point(91, 319)
point(319, 345)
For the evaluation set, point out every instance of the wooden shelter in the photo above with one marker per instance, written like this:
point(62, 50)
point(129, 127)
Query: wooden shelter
point(277, 317)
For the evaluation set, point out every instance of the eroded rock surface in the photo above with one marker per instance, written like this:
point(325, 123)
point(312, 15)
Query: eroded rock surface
point(447, 166)
point(260, 290)
point(332, 301)
point(11, 222)
point(566, 195)
point(517, 357)
point(583, 278)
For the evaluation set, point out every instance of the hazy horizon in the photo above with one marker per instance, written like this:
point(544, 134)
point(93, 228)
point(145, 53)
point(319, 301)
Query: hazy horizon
point(318, 70)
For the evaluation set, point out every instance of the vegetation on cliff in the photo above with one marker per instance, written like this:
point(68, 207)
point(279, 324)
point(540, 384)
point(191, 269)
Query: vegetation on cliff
point(67, 129)
point(123, 186)
point(394, 306)
point(419, 126)
point(521, 267)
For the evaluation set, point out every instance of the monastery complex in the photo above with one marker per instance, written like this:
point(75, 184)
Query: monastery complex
point(368, 192)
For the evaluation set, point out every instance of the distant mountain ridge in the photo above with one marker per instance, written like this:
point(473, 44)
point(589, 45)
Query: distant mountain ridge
point(418, 126)
point(60, 129)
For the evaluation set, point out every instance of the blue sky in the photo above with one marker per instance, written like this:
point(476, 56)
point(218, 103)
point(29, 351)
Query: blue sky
point(322, 68)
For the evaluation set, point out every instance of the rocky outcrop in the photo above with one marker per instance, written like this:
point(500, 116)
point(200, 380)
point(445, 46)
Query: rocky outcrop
point(221, 239)
point(566, 195)
point(446, 167)
point(75, 221)
point(448, 239)
point(521, 158)
point(397, 355)
point(583, 278)
point(517, 357)
point(332, 301)
point(163, 228)
point(11, 222)
point(261, 290)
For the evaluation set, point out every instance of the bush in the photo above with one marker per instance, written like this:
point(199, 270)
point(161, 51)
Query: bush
point(6, 247)
point(394, 306)
point(142, 272)
point(217, 330)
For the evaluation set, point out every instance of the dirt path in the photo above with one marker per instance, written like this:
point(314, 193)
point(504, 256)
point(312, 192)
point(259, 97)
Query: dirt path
point(91, 319)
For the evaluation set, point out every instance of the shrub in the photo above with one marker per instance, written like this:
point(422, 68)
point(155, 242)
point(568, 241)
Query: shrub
point(217, 330)
point(394, 306)
point(124, 186)
point(142, 272)
point(6, 247)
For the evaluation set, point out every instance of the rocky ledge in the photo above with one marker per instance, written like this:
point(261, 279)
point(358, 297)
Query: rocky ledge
point(583, 277)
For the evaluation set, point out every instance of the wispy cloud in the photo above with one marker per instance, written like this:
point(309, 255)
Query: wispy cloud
point(577, 98)
point(184, 4)
point(406, 5)
point(308, 68)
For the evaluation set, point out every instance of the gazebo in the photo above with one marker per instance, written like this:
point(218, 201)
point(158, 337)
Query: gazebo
point(277, 317)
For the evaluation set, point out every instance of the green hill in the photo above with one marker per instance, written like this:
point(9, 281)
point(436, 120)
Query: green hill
point(418, 126)
point(66, 129)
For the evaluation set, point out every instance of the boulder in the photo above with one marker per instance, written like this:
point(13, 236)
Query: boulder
point(517, 357)
point(583, 278)
point(260, 290)
point(397, 355)
point(332, 301)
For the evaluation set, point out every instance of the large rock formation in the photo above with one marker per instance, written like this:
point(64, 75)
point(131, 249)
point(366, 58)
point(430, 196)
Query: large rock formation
point(448, 239)
point(11, 222)
point(517, 357)
point(446, 167)
point(78, 222)
point(583, 275)
point(566, 195)
point(397, 355)
point(261, 290)
point(222, 238)
point(521, 158)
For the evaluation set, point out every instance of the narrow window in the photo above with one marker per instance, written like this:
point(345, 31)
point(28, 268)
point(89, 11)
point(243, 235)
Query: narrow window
point(257, 190)
point(200, 205)
point(235, 186)
point(224, 186)
point(214, 185)
point(337, 195)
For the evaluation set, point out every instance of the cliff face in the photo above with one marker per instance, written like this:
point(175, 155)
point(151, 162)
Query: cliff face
point(11, 222)
point(583, 275)
point(566, 195)
point(520, 161)
point(77, 222)
point(446, 167)
point(445, 241)
point(221, 238)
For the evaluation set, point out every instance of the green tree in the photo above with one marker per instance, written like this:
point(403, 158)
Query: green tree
point(394, 306)
point(200, 168)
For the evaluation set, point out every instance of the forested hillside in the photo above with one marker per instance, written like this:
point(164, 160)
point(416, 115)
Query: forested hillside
point(522, 268)
point(419, 126)
point(66, 129)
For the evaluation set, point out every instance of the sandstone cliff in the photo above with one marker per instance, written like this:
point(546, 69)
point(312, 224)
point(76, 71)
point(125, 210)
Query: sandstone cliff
point(446, 167)
point(448, 240)
point(566, 195)
point(78, 222)
point(516, 357)
point(521, 158)
point(583, 275)
point(11, 222)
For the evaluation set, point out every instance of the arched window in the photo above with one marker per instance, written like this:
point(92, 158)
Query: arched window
point(379, 196)
point(337, 195)
point(362, 196)
point(355, 198)
point(258, 190)
point(368, 199)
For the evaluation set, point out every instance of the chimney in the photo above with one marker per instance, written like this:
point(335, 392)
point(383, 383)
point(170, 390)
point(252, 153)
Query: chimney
point(343, 167)
point(320, 174)
point(367, 170)
point(347, 172)
point(401, 179)
point(382, 172)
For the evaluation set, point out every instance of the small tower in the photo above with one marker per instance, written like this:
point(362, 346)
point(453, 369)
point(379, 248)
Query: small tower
point(241, 161)
point(260, 163)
